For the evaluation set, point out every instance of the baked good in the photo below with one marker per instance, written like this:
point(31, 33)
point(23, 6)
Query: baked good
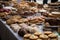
point(37, 33)
point(36, 20)
point(32, 4)
point(23, 25)
point(2, 14)
point(33, 25)
point(10, 21)
point(22, 32)
point(29, 28)
point(15, 16)
point(47, 32)
point(39, 39)
point(53, 36)
point(6, 17)
point(33, 37)
point(43, 37)
point(15, 27)
point(47, 24)
point(26, 36)
point(13, 19)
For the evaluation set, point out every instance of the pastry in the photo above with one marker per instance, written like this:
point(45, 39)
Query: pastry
point(43, 37)
point(15, 27)
point(47, 32)
point(31, 29)
point(13, 19)
point(33, 37)
point(32, 4)
point(39, 39)
point(10, 21)
point(37, 33)
point(26, 36)
point(2, 14)
point(33, 25)
point(53, 36)
point(22, 32)
point(47, 24)
point(15, 16)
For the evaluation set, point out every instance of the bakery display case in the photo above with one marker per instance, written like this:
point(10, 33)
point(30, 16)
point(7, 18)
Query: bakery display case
point(29, 21)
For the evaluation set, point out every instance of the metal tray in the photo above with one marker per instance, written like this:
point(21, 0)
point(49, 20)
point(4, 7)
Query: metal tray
point(7, 33)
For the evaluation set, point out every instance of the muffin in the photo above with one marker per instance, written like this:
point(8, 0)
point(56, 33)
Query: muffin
point(37, 33)
point(26, 36)
point(33, 37)
point(43, 37)
point(47, 32)
point(53, 36)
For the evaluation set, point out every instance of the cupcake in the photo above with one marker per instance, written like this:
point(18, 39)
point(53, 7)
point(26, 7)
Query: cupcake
point(33, 37)
point(47, 32)
point(37, 33)
point(43, 37)
point(53, 36)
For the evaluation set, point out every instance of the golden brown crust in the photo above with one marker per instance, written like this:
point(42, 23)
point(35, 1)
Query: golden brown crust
point(33, 37)
point(39, 39)
point(47, 32)
point(43, 36)
point(52, 35)
point(37, 33)
point(27, 35)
